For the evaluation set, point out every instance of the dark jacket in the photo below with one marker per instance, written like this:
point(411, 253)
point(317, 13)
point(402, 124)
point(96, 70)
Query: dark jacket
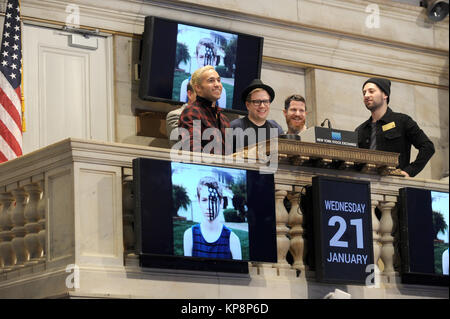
point(396, 132)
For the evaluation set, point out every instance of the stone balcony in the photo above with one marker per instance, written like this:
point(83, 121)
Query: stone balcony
point(66, 230)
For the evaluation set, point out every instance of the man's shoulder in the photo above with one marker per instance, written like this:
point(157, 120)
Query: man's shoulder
point(401, 120)
point(227, 230)
point(192, 109)
point(223, 116)
point(190, 113)
point(239, 122)
point(177, 111)
point(274, 123)
point(363, 125)
point(391, 114)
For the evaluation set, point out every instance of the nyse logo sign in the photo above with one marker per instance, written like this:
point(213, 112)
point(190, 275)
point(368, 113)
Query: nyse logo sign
point(343, 230)
point(336, 136)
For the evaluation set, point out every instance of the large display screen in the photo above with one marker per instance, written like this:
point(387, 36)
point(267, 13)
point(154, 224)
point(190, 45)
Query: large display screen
point(342, 230)
point(173, 50)
point(210, 205)
point(424, 220)
point(202, 217)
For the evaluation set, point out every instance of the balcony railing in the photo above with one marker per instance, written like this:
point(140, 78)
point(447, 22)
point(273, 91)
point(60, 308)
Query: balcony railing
point(67, 210)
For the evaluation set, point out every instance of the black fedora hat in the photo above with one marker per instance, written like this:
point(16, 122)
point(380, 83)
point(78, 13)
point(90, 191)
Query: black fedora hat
point(257, 84)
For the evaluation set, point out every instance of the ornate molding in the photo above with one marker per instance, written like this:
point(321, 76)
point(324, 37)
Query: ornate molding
point(326, 156)
point(339, 44)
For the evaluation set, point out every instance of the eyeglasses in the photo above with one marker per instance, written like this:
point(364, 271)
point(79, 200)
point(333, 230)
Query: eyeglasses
point(258, 102)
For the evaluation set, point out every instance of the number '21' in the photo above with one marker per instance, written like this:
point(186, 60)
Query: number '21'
point(335, 240)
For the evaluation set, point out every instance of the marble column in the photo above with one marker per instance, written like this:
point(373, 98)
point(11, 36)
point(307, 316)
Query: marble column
point(295, 222)
point(32, 225)
point(18, 219)
point(387, 253)
point(7, 254)
point(282, 217)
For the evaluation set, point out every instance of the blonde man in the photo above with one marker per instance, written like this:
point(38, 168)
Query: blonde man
point(203, 113)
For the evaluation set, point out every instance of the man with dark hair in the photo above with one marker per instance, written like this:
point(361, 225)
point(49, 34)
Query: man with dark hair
point(390, 131)
point(295, 113)
point(173, 117)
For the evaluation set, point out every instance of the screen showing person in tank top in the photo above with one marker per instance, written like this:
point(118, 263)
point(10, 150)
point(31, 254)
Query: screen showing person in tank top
point(212, 223)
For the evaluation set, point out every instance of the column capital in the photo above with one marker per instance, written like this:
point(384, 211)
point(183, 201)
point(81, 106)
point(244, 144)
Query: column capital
point(386, 205)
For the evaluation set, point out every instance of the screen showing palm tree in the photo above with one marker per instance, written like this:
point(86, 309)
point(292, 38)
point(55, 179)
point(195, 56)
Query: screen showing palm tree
point(210, 211)
point(197, 47)
point(439, 205)
point(423, 223)
point(203, 217)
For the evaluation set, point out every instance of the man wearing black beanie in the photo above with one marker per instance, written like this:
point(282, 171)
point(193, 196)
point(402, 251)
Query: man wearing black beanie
point(390, 131)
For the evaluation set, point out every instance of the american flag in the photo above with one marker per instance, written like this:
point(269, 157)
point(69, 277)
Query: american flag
point(10, 82)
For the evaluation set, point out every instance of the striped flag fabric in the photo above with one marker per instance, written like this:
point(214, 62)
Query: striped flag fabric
point(10, 84)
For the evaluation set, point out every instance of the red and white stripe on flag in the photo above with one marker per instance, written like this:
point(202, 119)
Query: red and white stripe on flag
point(10, 82)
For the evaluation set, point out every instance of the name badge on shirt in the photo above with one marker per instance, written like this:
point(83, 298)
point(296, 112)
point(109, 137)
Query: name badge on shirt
point(388, 126)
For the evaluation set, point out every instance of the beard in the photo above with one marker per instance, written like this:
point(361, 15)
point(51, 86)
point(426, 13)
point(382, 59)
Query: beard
point(374, 104)
point(294, 126)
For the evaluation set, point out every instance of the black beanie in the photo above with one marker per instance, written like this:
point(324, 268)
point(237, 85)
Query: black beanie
point(383, 84)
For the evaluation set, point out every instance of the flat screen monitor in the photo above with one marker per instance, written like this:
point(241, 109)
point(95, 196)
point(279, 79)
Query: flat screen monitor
point(342, 231)
point(202, 217)
point(173, 50)
point(423, 221)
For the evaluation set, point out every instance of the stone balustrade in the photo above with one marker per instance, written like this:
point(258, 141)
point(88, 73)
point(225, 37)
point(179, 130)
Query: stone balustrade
point(70, 206)
point(22, 224)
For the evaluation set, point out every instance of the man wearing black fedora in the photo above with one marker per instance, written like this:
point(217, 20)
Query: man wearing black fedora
point(390, 131)
point(257, 98)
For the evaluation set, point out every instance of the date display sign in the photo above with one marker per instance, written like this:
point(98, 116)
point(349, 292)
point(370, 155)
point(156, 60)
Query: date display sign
point(342, 230)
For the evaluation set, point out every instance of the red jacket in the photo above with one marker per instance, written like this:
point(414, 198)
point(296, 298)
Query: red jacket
point(201, 116)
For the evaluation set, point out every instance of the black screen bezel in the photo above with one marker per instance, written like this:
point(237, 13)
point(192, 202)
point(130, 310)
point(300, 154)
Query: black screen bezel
point(156, 76)
point(154, 227)
point(337, 273)
point(416, 238)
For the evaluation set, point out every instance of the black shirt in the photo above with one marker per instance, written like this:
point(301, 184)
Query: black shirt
point(262, 132)
point(396, 132)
